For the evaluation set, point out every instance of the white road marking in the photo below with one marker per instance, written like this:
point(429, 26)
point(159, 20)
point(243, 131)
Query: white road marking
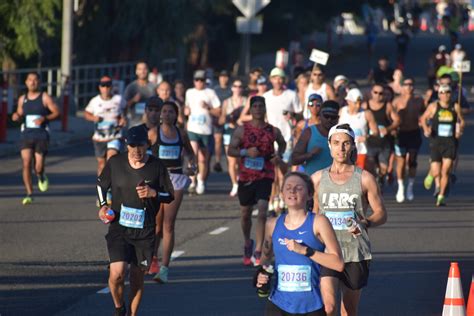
point(175, 254)
point(105, 290)
point(218, 231)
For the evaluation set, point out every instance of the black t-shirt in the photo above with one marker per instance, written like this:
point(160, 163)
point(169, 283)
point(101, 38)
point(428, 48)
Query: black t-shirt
point(123, 179)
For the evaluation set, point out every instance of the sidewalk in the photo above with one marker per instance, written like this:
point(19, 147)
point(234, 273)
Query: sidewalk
point(78, 130)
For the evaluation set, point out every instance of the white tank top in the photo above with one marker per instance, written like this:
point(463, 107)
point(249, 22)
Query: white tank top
point(309, 91)
point(358, 123)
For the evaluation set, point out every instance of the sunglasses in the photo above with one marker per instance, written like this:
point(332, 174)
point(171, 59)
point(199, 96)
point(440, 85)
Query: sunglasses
point(377, 92)
point(331, 117)
point(318, 74)
point(237, 86)
point(107, 84)
point(199, 79)
point(314, 103)
point(445, 92)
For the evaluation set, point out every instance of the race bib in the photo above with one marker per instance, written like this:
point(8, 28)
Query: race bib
point(380, 127)
point(114, 144)
point(445, 130)
point(294, 278)
point(226, 139)
point(30, 121)
point(140, 108)
point(338, 219)
point(132, 217)
point(199, 119)
point(105, 125)
point(168, 152)
point(254, 163)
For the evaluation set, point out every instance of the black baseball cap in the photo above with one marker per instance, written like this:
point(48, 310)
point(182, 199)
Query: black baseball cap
point(330, 107)
point(256, 99)
point(154, 102)
point(137, 135)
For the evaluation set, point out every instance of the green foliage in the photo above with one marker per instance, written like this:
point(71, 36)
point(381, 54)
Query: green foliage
point(23, 23)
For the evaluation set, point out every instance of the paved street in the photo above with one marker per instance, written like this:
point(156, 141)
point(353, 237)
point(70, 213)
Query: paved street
point(53, 259)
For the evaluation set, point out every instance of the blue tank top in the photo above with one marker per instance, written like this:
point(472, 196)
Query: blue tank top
point(296, 289)
point(323, 159)
point(32, 110)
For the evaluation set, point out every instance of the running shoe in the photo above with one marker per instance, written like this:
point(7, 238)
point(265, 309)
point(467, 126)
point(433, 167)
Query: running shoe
point(440, 201)
point(120, 311)
point(428, 182)
point(436, 192)
point(248, 249)
point(235, 188)
point(192, 188)
point(43, 183)
point(27, 200)
point(400, 197)
point(410, 195)
point(256, 258)
point(155, 266)
point(217, 167)
point(200, 188)
point(162, 276)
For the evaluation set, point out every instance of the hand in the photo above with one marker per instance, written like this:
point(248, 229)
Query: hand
point(382, 131)
point(276, 160)
point(204, 105)
point(287, 116)
point(102, 212)
point(145, 191)
point(262, 279)
point(427, 132)
point(16, 116)
point(98, 119)
point(136, 98)
point(122, 121)
point(292, 245)
point(253, 152)
point(39, 121)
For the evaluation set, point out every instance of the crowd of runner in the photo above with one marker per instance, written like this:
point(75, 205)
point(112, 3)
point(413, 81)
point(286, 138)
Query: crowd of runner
point(309, 154)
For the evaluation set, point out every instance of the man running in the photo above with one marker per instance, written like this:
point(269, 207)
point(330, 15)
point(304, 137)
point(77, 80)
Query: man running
point(201, 105)
point(139, 182)
point(37, 108)
point(107, 111)
point(409, 107)
point(443, 134)
point(223, 91)
point(253, 143)
point(318, 86)
point(343, 194)
point(137, 92)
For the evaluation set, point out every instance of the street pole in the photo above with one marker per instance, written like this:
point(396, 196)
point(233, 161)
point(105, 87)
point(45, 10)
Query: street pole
point(66, 52)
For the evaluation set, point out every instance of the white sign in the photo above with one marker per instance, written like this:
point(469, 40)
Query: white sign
point(249, 25)
point(319, 57)
point(462, 66)
point(250, 7)
point(281, 59)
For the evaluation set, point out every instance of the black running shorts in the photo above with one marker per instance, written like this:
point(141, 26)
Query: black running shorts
point(39, 146)
point(251, 192)
point(443, 147)
point(355, 275)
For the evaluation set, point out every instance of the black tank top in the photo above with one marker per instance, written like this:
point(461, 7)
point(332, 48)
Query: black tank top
point(169, 153)
point(444, 121)
point(32, 110)
point(382, 120)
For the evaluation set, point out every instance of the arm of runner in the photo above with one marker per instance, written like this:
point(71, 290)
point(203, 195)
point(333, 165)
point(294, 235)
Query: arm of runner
point(394, 117)
point(461, 121)
point(277, 159)
point(245, 116)
point(316, 177)
point(222, 117)
point(19, 110)
point(104, 181)
point(267, 252)
point(52, 107)
point(332, 256)
point(165, 190)
point(374, 198)
point(235, 141)
point(88, 116)
point(373, 128)
point(425, 117)
point(330, 92)
point(427, 97)
point(187, 147)
point(299, 154)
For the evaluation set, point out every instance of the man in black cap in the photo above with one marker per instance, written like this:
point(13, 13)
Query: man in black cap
point(139, 183)
point(223, 92)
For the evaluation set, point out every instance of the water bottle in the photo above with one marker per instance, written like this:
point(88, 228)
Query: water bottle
point(109, 216)
point(353, 227)
point(264, 290)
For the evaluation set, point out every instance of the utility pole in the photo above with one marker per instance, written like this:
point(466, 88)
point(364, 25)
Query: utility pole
point(66, 41)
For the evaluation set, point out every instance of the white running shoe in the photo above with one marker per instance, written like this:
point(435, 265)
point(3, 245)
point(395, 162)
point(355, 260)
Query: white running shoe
point(400, 197)
point(200, 188)
point(235, 188)
point(410, 195)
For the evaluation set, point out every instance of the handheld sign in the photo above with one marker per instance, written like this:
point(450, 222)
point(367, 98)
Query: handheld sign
point(319, 57)
point(462, 66)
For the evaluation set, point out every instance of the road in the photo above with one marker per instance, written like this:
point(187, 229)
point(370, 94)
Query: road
point(53, 259)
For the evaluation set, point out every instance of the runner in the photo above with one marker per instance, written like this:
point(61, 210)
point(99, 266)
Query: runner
point(231, 110)
point(382, 73)
point(444, 136)
point(301, 242)
point(107, 111)
point(171, 144)
point(379, 146)
point(314, 105)
point(311, 149)
point(251, 88)
point(262, 87)
point(409, 107)
point(164, 93)
point(223, 92)
point(318, 86)
point(360, 121)
point(344, 192)
point(37, 108)
point(201, 104)
point(253, 143)
point(137, 92)
point(139, 184)
point(152, 120)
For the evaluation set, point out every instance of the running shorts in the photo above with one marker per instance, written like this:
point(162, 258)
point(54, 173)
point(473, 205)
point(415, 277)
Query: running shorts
point(355, 275)
point(40, 146)
point(251, 192)
point(443, 148)
point(379, 153)
point(202, 140)
point(408, 142)
point(100, 148)
point(273, 310)
point(133, 251)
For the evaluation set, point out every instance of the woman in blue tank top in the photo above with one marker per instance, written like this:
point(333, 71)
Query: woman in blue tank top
point(301, 241)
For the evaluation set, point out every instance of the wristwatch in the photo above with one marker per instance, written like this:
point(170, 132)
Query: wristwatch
point(309, 252)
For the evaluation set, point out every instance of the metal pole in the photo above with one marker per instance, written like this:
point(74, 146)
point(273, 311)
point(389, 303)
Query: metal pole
point(247, 53)
point(460, 88)
point(66, 52)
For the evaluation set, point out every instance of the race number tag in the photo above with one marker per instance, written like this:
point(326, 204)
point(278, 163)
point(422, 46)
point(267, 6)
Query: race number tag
point(140, 108)
point(445, 130)
point(226, 139)
point(294, 278)
point(114, 144)
point(254, 163)
point(132, 217)
point(168, 152)
point(105, 125)
point(338, 219)
point(199, 119)
point(30, 120)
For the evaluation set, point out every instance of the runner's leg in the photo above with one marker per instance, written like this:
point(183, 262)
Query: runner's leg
point(136, 288)
point(169, 220)
point(117, 282)
point(350, 301)
point(329, 292)
point(27, 157)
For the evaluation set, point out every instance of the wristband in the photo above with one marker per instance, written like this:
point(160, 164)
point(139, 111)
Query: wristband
point(309, 252)
point(243, 152)
point(369, 223)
